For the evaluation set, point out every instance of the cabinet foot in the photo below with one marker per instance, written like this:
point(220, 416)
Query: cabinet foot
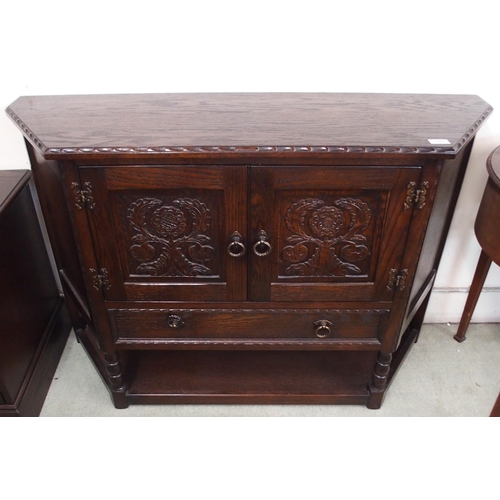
point(375, 400)
point(120, 400)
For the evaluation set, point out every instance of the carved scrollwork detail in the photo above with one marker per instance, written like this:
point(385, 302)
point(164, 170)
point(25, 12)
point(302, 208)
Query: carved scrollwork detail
point(169, 240)
point(327, 240)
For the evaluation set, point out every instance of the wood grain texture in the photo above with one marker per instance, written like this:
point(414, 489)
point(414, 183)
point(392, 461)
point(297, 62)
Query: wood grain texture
point(100, 126)
point(251, 377)
point(321, 268)
point(250, 324)
point(170, 228)
point(47, 176)
point(156, 186)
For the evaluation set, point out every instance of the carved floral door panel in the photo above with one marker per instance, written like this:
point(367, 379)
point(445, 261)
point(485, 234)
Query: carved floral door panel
point(311, 233)
point(335, 233)
point(161, 232)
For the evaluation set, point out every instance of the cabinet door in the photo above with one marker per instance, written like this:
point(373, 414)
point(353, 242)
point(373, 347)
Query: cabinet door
point(162, 232)
point(334, 233)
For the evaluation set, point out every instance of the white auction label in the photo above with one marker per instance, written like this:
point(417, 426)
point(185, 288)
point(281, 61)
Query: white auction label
point(439, 141)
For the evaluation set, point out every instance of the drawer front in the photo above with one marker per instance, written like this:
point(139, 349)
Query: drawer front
point(214, 325)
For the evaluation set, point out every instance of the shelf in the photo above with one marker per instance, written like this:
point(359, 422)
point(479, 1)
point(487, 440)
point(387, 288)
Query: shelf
point(249, 377)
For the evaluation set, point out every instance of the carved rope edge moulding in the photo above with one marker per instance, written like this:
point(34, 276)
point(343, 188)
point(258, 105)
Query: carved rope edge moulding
point(150, 150)
point(338, 342)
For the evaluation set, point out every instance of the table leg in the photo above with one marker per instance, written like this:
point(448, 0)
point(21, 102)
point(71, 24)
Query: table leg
point(482, 269)
point(496, 409)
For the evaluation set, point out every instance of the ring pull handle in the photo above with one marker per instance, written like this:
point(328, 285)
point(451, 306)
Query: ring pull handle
point(174, 321)
point(323, 328)
point(236, 248)
point(262, 247)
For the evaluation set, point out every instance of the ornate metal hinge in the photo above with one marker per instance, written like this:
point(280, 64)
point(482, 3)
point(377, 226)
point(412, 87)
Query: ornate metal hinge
point(83, 196)
point(416, 196)
point(397, 281)
point(100, 279)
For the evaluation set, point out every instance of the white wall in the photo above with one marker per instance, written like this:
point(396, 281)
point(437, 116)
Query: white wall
point(56, 47)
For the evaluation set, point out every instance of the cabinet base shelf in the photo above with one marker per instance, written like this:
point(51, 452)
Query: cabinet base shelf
point(274, 377)
point(238, 377)
point(239, 399)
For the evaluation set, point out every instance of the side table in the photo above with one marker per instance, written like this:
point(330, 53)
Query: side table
point(488, 235)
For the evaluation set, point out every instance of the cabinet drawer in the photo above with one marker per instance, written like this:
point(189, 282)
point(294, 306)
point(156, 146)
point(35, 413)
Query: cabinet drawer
point(244, 326)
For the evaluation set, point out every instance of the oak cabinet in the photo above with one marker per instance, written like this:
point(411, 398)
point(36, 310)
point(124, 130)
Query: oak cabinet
point(264, 248)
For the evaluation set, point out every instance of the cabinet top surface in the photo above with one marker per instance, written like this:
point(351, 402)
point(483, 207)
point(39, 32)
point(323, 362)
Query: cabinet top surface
point(244, 123)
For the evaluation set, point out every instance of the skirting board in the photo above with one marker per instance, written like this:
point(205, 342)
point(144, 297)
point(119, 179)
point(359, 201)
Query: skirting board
point(446, 306)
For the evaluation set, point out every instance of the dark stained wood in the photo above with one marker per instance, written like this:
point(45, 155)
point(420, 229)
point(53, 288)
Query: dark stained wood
point(447, 178)
point(182, 377)
point(250, 327)
point(262, 202)
point(493, 166)
point(486, 224)
point(495, 412)
point(331, 229)
point(49, 187)
point(488, 236)
point(13, 182)
point(345, 190)
point(97, 126)
point(483, 266)
point(135, 208)
point(34, 321)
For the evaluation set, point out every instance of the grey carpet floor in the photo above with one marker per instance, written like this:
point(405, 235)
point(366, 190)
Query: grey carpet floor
point(440, 378)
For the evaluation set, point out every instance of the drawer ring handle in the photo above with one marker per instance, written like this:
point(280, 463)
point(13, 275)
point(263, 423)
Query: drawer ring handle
point(323, 328)
point(262, 248)
point(236, 248)
point(174, 321)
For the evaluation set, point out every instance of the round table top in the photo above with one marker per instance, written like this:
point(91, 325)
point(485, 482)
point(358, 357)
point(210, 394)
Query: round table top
point(493, 166)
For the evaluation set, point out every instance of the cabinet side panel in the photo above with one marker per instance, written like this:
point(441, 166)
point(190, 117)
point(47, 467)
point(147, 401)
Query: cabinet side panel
point(450, 182)
point(53, 204)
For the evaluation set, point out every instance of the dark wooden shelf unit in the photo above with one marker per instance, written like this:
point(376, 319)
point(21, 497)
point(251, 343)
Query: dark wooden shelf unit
point(33, 318)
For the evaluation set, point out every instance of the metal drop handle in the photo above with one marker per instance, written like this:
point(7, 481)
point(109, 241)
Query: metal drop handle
point(236, 248)
point(262, 247)
point(323, 328)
